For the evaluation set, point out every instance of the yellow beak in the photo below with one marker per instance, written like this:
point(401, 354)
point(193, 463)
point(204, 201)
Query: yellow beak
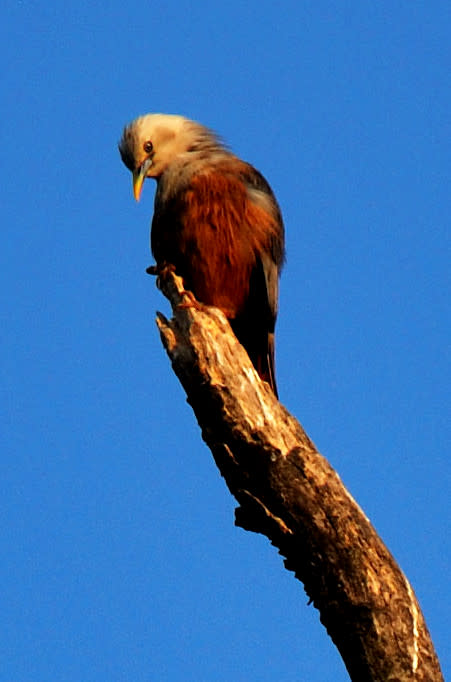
point(139, 175)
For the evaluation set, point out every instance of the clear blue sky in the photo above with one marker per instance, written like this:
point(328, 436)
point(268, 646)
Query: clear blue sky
point(119, 558)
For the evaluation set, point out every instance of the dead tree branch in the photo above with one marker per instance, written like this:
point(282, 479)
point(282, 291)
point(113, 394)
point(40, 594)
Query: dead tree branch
point(288, 491)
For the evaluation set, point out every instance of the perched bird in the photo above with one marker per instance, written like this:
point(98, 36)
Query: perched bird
point(216, 220)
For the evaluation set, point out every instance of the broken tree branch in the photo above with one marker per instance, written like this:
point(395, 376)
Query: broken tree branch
point(289, 492)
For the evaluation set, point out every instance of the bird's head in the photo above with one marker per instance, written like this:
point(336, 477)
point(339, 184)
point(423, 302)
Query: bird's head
point(150, 143)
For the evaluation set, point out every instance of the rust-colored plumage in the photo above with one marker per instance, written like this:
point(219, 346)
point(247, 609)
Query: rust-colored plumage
point(217, 221)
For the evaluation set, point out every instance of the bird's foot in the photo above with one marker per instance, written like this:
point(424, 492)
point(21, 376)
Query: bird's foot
point(160, 269)
point(190, 301)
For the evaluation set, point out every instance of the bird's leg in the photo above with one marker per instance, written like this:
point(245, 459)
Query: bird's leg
point(161, 270)
point(190, 301)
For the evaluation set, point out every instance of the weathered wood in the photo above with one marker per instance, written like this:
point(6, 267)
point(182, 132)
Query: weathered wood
point(288, 491)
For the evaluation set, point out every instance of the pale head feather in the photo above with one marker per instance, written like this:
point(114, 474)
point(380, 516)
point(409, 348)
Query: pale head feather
point(171, 136)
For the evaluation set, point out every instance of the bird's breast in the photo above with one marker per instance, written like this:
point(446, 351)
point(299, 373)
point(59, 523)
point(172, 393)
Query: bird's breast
point(207, 226)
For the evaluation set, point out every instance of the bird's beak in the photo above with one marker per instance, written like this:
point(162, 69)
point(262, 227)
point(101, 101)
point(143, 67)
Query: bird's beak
point(139, 175)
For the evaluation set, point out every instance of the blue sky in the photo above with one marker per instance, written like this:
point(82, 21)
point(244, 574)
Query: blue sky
point(120, 560)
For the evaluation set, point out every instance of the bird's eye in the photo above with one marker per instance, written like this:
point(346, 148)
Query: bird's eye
point(148, 146)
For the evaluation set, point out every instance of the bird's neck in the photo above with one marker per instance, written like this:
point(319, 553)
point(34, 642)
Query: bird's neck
point(179, 173)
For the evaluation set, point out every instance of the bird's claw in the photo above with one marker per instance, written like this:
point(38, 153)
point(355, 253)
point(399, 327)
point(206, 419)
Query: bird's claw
point(160, 269)
point(189, 301)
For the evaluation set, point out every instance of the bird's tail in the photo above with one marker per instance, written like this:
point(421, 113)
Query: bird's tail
point(265, 365)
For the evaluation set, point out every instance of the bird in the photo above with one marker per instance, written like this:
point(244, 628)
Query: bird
point(216, 221)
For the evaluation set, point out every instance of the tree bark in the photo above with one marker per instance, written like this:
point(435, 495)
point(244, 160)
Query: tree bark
point(289, 492)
